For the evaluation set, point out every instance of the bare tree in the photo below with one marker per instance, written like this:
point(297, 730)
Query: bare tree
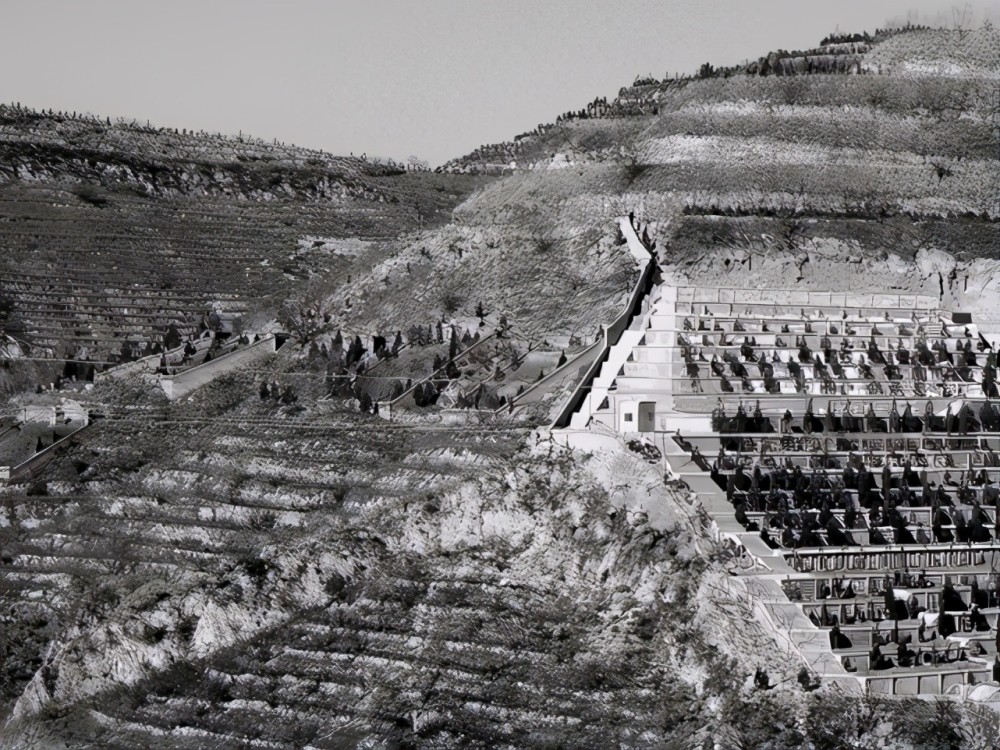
point(961, 19)
point(309, 313)
point(626, 145)
point(417, 164)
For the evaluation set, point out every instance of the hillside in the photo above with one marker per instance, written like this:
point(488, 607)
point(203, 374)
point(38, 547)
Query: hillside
point(862, 155)
point(846, 173)
point(332, 584)
point(274, 562)
point(113, 231)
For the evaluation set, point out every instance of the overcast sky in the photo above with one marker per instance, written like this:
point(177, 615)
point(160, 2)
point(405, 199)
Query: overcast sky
point(434, 78)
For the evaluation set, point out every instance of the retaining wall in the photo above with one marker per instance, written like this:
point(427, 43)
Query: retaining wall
point(26, 469)
point(179, 386)
point(150, 363)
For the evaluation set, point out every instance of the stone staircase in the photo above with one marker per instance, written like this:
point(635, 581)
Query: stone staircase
point(617, 359)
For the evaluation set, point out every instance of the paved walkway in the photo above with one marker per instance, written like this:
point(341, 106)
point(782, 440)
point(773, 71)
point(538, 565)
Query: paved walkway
point(622, 349)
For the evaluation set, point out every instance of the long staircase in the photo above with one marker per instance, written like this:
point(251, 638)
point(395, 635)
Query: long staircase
point(620, 338)
point(618, 357)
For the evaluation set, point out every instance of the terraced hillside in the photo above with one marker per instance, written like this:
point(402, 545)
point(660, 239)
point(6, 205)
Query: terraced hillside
point(111, 232)
point(297, 576)
point(240, 571)
point(758, 163)
point(880, 168)
point(269, 564)
point(737, 174)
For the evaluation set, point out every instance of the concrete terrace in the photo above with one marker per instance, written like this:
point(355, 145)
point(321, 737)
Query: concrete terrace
point(845, 446)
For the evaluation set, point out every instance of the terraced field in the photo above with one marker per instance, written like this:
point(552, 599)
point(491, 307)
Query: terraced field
point(755, 162)
point(279, 575)
point(113, 232)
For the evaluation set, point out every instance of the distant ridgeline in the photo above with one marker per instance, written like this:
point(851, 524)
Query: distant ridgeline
point(37, 145)
point(909, 50)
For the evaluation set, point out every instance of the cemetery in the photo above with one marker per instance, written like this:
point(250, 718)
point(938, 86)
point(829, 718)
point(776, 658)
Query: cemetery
point(846, 444)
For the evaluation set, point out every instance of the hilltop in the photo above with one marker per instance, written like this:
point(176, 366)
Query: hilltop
point(859, 154)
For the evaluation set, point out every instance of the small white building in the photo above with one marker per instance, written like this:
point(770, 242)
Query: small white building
point(636, 416)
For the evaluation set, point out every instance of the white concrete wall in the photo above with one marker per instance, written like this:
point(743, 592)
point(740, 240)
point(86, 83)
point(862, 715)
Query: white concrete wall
point(660, 338)
point(803, 297)
point(652, 354)
point(150, 363)
point(179, 386)
point(649, 370)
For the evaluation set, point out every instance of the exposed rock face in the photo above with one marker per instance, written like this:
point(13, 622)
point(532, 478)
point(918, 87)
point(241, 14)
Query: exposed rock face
point(514, 569)
point(958, 284)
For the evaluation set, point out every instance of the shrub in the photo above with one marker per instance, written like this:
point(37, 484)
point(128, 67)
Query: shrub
point(262, 520)
point(256, 567)
point(91, 194)
point(451, 302)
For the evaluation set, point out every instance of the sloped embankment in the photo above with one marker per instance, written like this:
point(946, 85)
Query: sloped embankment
point(462, 591)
